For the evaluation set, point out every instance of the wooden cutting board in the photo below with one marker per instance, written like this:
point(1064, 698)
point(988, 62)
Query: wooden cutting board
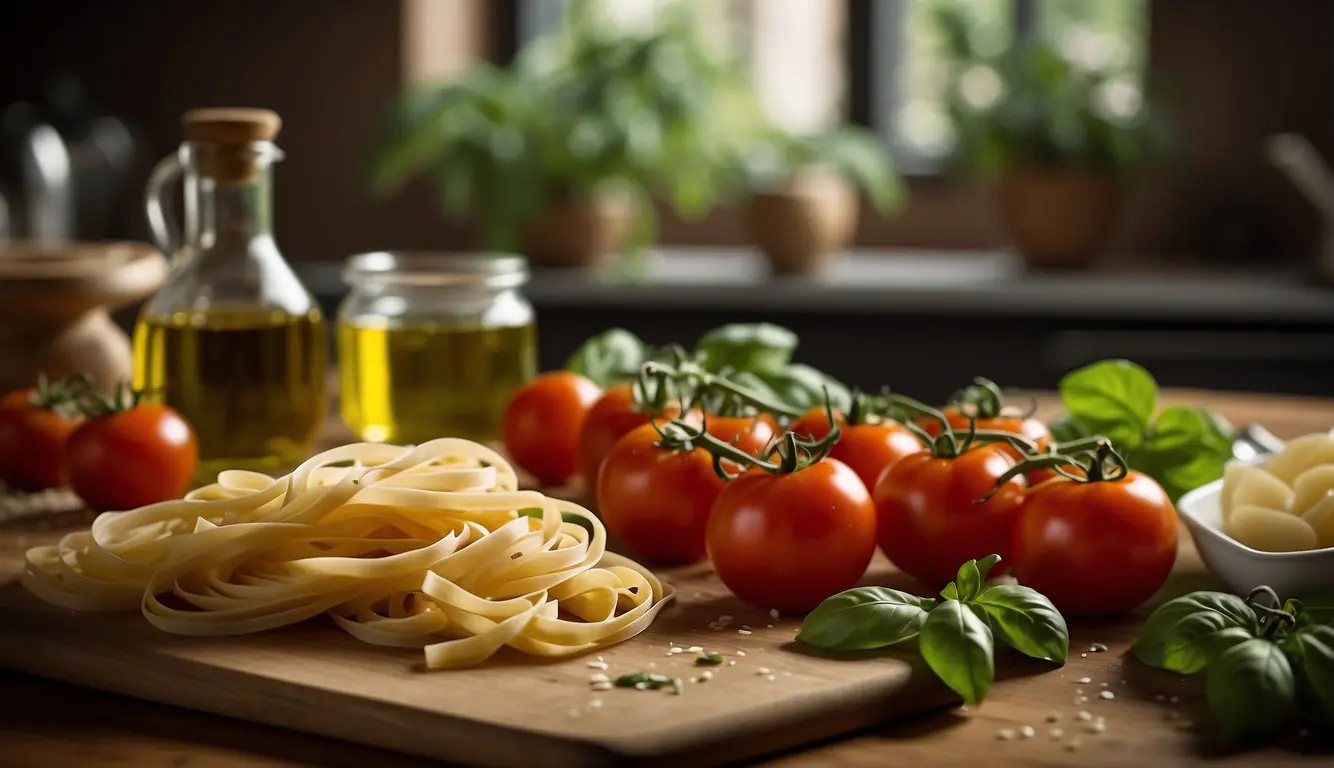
point(512, 711)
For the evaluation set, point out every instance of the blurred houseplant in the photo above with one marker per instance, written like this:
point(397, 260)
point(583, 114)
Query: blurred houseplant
point(803, 204)
point(560, 155)
point(1062, 127)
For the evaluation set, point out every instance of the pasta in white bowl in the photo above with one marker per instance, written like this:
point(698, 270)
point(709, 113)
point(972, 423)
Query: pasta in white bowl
point(432, 546)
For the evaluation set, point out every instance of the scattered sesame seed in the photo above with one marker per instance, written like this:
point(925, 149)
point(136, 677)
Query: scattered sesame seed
point(595, 704)
point(597, 665)
point(1083, 716)
point(1097, 648)
point(740, 653)
point(1084, 680)
point(671, 642)
point(770, 678)
point(1053, 717)
point(601, 659)
point(1072, 745)
point(597, 678)
point(1056, 734)
point(1174, 700)
point(1079, 691)
point(1081, 700)
point(706, 675)
point(773, 614)
point(731, 662)
point(762, 671)
point(768, 626)
point(694, 649)
point(1083, 655)
point(743, 631)
point(1104, 685)
point(653, 665)
point(1160, 697)
point(1027, 732)
point(676, 650)
point(641, 686)
point(1106, 695)
point(1097, 727)
point(602, 685)
point(1005, 734)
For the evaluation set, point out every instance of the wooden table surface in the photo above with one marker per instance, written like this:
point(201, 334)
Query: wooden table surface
point(51, 724)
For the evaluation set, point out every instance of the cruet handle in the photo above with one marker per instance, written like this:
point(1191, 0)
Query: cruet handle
point(159, 222)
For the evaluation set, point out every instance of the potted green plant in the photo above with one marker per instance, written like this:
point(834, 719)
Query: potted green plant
point(1062, 133)
point(561, 154)
point(803, 193)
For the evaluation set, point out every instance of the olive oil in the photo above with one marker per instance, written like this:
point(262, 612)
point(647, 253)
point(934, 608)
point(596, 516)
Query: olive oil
point(252, 383)
point(408, 383)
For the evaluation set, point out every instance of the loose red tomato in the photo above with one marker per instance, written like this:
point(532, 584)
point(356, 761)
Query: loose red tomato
point(32, 441)
point(871, 449)
point(814, 423)
point(1096, 548)
point(789, 541)
point(928, 522)
point(611, 418)
point(130, 458)
point(542, 422)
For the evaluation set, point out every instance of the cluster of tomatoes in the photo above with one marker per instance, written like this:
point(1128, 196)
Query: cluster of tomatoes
point(114, 452)
point(1095, 540)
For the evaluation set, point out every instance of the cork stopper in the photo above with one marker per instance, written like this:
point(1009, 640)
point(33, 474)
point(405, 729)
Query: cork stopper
point(222, 137)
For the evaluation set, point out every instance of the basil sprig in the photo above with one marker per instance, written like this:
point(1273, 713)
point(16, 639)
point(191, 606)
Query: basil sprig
point(757, 356)
point(956, 636)
point(1182, 447)
point(1260, 661)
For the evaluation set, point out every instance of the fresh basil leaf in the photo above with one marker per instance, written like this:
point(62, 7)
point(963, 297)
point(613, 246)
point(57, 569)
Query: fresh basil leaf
point(950, 592)
point(1067, 429)
point(801, 387)
point(1317, 609)
point(1198, 638)
point(1251, 690)
point(1115, 398)
point(968, 582)
point(1026, 621)
point(1311, 652)
point(608, 357)
point(1179, 472)
point(752, 347)
point(1162, 630)
point(864, 618)
point(958, 647)
point(985, 565)
point(1183, 427)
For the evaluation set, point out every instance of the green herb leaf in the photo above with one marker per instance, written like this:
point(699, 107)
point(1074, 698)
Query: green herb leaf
point(1115, 398)
point(1310, 650)
point(985, 565)
point(1251, 690)
point(1068, 429)
point(1168, 641)
point(756, 347)
point(968, 582)
point(1317, 609)
point(950, 592)
point(608, 357)
point(1186, 447)
point(864, 618)
point(709, 659)
point(801, 387)
point(1026, 621)
point(958, 647)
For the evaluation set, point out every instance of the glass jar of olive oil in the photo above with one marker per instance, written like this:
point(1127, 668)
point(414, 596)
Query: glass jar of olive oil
point(433, 345)
point(232, 340)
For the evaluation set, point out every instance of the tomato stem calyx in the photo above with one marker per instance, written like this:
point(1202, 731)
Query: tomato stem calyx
point(1103, 465)
point(699, 387)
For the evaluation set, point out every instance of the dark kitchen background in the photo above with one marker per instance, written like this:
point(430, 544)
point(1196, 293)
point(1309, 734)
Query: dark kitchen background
point(1213, 278)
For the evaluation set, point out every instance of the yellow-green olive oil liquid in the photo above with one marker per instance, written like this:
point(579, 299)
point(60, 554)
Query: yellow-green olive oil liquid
point(251, 383)
point(408, 383)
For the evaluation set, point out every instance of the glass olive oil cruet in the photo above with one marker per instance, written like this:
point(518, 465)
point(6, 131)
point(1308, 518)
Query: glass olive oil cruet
point(233, 341)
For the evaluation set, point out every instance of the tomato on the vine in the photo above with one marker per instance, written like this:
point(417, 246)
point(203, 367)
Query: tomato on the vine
point(929, 523)
point(788, 541)
point(814, 423)
point(1096, 547)
point(611, 418)
point(542, 422)
point(1024, 426)
point(872, 449)
point(33, 433)
point(130, 455)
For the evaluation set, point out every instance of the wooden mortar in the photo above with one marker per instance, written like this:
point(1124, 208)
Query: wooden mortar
point(55, 305)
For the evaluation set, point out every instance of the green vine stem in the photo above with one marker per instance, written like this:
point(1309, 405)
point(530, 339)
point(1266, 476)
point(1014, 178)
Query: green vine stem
point(64, 396)
point(697, 385)
point(984, 399)
point(948, 443)
point(1104, 466)
point(122, 398)
point(788, 454)
point(1272, 616)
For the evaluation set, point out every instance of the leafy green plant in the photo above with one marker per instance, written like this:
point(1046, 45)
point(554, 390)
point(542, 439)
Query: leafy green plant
point(1182, 447)
point(956, 635)
point(1032, 104)
point(585, 111)
point(855, 154)
point(1260, 661)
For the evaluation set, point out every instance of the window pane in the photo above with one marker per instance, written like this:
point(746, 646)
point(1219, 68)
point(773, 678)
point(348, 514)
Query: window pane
point(1100, 33)
point(798, 62)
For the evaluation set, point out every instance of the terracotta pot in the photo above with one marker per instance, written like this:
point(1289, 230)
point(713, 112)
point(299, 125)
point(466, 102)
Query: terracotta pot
point(55, 304)
point(578, 231)
point(804, 224)
point(1059, 218)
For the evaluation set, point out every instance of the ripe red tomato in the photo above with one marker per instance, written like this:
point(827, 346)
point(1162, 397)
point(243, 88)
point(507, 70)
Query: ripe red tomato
point(1029, 428)
point(790, 541)
point(32, 439)
point(928, 522)
point(814, 423)
point(542, 421)
point(1096, 548)
point(611, 418)
point(870, 449)
point(126, 459)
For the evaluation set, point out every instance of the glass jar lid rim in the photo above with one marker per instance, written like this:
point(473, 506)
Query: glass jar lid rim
point(438, 268)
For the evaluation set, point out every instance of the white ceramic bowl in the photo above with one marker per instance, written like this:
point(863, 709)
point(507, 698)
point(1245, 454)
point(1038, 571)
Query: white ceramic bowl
point(1290, 574)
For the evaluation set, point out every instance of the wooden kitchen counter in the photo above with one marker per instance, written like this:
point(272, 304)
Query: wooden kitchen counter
point(51, 724)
